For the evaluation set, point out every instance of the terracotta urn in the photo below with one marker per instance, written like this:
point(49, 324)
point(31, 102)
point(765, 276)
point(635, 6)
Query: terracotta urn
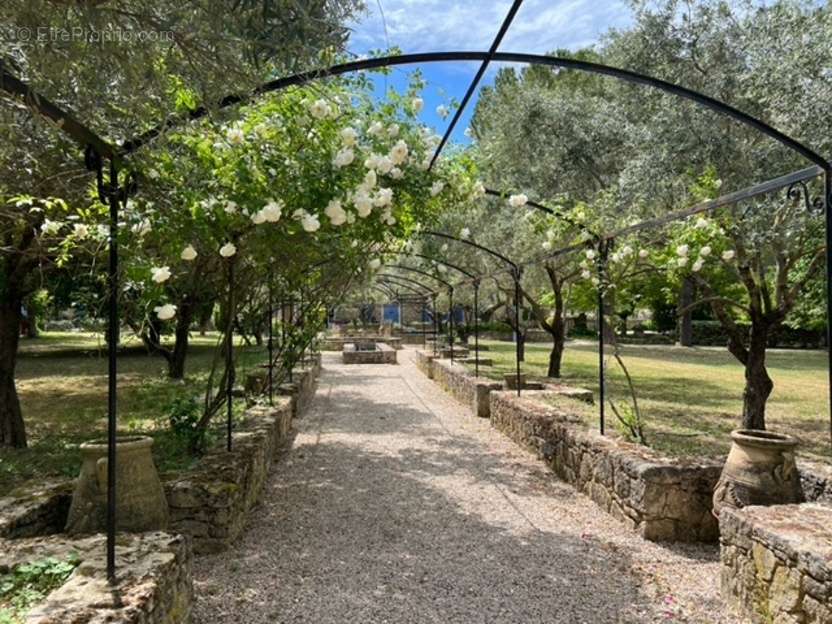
point(140, 499)
point(760, 470)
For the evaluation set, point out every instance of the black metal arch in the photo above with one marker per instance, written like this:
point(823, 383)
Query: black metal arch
point(393, 278)
point(465, 272)
point(500, 57)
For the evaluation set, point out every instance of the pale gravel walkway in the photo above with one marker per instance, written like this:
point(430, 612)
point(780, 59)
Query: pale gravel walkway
point(397, 505)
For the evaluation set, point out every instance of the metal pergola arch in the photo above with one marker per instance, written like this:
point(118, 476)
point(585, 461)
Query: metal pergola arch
point(475, 282)
point(113, 193)
point(424, 291)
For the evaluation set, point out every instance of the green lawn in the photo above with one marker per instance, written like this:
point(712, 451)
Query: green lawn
point(691, 398)
point(62, 383)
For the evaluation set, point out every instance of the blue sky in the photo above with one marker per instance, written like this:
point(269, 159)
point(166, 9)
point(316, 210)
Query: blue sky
point(440, 25)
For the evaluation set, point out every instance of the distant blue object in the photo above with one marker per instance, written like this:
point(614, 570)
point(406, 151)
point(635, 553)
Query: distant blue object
point(391, 313)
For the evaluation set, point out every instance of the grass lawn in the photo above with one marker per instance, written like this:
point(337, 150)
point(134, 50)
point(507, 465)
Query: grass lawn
point(691, 398)
point(62, 383)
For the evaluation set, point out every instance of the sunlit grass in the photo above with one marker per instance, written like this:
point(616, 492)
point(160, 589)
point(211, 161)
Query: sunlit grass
point(691, 398)
point(62, 383)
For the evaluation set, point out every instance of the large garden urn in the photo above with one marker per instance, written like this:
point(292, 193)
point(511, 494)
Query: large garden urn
point(760, 470)
point(140, 499)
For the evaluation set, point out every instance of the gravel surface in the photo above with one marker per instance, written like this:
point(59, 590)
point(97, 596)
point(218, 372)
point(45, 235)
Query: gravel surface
point(395, 504)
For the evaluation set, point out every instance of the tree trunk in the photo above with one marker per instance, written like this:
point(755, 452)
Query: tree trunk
point(758, 384)
point(176, 361)
point(686, 298)
point(12, 428)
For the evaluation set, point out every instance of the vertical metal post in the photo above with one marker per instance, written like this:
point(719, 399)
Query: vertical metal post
point(516, 274)
point(827, 202)
point(435, 324)
point(602, 262)
point(476, 327)
point(451, 321)
point(301, 327)
point(292, 321)
point(271, 335)
point(424, 324)
point(112, 371)
point(229, 357)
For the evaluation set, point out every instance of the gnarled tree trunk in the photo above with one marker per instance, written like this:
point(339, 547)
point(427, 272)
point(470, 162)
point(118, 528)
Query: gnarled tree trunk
point(758, 384)
point(12, 428)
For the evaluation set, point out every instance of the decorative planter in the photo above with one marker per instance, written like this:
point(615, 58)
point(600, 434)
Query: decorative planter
point(140, 499)
point(511, 380)
point(760, 470)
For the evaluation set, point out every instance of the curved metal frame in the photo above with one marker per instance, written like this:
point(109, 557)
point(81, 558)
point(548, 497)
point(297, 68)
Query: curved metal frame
point(90, 141)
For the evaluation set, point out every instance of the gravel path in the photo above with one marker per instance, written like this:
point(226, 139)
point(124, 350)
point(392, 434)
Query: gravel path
point(396, 505)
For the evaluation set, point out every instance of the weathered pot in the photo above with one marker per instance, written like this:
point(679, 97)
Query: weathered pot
point(510, 380)
point(760, 470)
point(140, 499)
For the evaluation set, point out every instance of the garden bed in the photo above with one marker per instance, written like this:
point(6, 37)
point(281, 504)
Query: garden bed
point(777, 562)
point(663, 499)
point(61, 580)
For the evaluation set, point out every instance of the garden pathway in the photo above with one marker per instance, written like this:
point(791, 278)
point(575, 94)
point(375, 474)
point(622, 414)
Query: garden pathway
point(396, 505)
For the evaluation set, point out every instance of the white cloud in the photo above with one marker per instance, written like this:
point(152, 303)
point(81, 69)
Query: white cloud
point(436, 25)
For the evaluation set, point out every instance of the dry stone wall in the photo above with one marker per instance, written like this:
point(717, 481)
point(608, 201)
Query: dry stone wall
point(153, 586)
point(663, 499)
point(777, 562)
point(36, 510)
point(465, 388)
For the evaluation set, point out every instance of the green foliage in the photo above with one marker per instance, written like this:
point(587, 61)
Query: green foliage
point(183, 416)
point(29, 583)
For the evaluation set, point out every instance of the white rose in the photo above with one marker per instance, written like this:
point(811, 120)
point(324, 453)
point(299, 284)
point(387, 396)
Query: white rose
point(235, 136)
point(165, 312)
point(188, 254)
point(319, 109)
point(436, 188)
point(310, 222)
point(627, 251)
point(375, 128)
point(384, 197)
point(682, 251)
point(336, 213)
point(80, 230)
point(479, 189)
point(349, 137)
point(344, 157)
point(643, 254)
point(586, 274)
point(160, 274)
point(728, 255)
point(370, 180)
point(442, 111)
point(705, 251)
point(590, 254)
point(396, 173)
point(393, 130)
point(385, 164)
point(417, 104)
point(697, 266)
point(258, 217)
point(399, 152)
point(374, 264)
point(465, 233)
point(228, 250)
point(272, 211)
point(701, 223)
point(683, 261)
point(230, 207)
point(518, 201)
point(363, 205)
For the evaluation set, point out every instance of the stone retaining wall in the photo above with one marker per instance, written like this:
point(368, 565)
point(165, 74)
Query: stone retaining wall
point(211, 502)
point(424, 362)
point(154, 579)
point(382, 353)
point(664, 499)
point(36, 510)
point(777, 563)
point(465, 388)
